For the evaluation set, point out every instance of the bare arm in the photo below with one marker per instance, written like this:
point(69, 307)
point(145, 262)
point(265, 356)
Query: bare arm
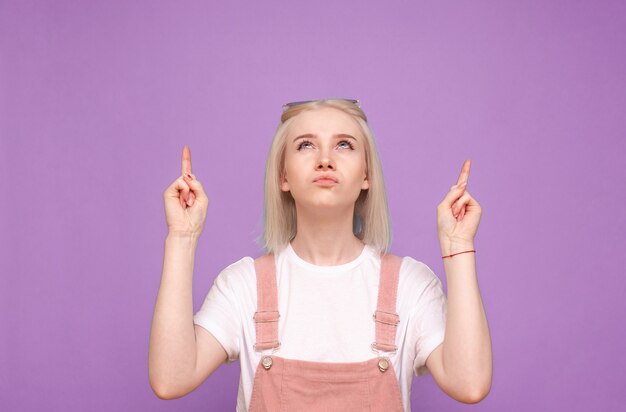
point(181, 355)
point(462, 366)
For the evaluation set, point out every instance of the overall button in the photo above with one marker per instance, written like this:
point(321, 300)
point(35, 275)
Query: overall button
point(267, 362)
point(383, 364)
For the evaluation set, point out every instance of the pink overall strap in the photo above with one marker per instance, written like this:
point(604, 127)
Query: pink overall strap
point(266, 316)
point(386, 317)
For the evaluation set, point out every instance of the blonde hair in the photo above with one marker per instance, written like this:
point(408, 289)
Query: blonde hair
point(371, 222)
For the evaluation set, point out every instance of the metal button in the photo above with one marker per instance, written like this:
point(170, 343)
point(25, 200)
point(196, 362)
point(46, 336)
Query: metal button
point(267, 362)
point(383, 364)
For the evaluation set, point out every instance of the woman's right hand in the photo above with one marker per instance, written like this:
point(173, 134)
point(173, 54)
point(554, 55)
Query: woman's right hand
point(185, 201)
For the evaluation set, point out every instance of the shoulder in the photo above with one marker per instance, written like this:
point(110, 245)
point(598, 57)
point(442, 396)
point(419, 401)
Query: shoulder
point(416, 277)
point(243, 270)
point(416, 269)
point(413, 273)
point(236, 283)
point(237, 273)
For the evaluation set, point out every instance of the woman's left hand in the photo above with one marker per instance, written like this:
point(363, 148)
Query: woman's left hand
point(458, 214)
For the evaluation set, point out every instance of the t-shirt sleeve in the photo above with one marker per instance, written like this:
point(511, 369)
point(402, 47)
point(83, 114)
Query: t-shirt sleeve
point(429, 318)
point(220, 313)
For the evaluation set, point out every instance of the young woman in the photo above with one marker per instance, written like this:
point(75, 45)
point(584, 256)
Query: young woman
point(326, 319)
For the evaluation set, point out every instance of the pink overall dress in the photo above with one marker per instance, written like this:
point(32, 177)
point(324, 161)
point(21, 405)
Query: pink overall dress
point(282, 384)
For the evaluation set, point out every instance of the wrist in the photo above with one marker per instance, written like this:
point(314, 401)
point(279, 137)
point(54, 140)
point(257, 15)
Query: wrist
point(179, 236)
point(452, 247)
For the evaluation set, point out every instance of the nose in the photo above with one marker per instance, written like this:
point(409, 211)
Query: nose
point(324, 161)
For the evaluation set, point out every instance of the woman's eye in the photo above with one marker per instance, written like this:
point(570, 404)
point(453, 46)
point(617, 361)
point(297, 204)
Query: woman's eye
point(343, 142)
point(303, 143)
point(348, 143)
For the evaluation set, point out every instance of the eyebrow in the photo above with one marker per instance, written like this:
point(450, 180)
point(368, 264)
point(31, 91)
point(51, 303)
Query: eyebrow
point(337, 136)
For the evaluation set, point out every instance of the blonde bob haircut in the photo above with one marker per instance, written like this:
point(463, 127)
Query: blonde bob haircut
point(371, 215)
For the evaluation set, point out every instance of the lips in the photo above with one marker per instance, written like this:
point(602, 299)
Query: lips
point(326, 178)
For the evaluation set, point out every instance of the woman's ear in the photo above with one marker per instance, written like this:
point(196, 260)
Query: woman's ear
point(366, 183)
point(284, 184)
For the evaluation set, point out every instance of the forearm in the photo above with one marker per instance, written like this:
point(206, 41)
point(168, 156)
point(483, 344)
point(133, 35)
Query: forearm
point(467, 358)
point(172, 351)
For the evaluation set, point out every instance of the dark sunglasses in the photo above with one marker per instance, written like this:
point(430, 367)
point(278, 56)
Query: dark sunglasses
point(288, 105)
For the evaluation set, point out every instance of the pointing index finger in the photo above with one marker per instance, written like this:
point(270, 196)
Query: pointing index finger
point(186, 168)
point(464, 176)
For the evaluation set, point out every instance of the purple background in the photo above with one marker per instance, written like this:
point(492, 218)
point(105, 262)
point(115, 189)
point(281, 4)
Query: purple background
point(98, 99)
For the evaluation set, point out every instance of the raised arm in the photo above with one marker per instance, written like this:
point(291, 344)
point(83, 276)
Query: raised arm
point(462, 365)
point(181, 355)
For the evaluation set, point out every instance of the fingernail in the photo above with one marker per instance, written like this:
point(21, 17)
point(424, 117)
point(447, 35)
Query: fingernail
point(189, 176)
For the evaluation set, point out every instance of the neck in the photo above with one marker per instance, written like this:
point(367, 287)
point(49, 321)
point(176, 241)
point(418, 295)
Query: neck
point(325, 238)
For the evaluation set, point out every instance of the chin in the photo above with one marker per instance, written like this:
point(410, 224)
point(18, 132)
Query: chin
point(330, 204)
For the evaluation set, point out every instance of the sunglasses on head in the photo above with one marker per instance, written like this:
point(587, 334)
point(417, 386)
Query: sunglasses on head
point(289, 105)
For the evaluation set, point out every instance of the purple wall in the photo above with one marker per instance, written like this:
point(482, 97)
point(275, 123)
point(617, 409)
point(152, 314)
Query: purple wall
point(98, 99)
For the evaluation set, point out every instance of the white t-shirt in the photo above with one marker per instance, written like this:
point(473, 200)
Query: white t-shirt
point(326, 314)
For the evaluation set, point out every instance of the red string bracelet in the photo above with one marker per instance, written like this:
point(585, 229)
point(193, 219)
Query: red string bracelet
point(454, 254)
